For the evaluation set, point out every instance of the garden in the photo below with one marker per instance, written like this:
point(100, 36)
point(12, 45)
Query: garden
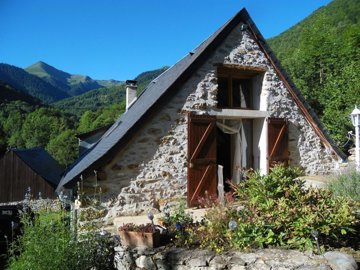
point(264, 211)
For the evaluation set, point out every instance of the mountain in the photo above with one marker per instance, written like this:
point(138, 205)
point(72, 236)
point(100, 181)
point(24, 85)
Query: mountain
point(322, 56)
point(9, 93)
point(30, 84)
point(103, 97)
point(73, 85)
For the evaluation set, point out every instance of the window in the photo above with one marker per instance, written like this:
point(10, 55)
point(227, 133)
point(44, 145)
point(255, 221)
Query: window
point(234, 93)
point(236, 86)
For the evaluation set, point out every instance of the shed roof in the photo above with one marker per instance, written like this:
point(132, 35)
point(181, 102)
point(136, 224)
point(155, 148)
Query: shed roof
point(85, 135)
point(42, 163)
point(166, 85)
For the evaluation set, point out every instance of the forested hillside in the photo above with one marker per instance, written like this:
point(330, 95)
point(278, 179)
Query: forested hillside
point(103, 106)
point(9, 93)
point(71, 84)
point(103, 97)
point(93, 119)
point(26, 123)
point(322, 56)
point(30, 84)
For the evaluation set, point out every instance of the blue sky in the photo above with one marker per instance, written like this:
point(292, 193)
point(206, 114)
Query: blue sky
point(118, 39)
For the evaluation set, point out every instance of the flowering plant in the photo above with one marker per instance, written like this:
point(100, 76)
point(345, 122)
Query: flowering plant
point(131, 227)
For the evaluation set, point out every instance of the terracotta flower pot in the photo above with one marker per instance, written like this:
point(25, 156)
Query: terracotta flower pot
point(140, 239)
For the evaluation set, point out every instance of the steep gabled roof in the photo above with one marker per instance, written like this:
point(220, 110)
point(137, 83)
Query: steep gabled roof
point(166, 85)
point(42, 163)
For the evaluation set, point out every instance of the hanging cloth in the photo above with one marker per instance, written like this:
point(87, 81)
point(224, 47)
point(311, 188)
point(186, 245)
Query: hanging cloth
point(235, 127)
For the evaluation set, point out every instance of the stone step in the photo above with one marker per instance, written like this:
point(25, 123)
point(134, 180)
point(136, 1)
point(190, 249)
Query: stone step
point(316, 181)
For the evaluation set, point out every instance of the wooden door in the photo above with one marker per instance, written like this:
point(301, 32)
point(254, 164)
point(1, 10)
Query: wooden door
point(278, 151)
point(202, 172)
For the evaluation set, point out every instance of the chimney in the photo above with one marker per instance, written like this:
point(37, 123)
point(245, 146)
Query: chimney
point(131, 88)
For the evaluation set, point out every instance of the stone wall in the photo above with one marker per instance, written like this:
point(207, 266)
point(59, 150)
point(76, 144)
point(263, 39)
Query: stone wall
point(152, 168)
point(168, 258)
point(305, 147)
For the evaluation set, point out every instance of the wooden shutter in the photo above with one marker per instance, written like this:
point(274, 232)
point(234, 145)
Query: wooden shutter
point(202, 173)
point(278, 151)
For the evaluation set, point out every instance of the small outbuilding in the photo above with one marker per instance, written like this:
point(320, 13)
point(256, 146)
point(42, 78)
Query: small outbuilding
point(24, 168)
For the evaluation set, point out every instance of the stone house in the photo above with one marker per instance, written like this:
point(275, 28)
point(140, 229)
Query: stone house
point(228, 102)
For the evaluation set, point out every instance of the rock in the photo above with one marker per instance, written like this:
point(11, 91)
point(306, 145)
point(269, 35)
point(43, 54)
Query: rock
point(123, 262)
point(144, 262)
point(178, 256)
point(316, 267)
point(237, 267)
point(197, 262)
point(218, 263)
point(260, 265)
point(340, 261)
point(161, 265)
point(237, 261)
point(248, 258)
point(170, 257)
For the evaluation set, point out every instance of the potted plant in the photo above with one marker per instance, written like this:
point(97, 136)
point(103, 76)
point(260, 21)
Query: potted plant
point(145, 235)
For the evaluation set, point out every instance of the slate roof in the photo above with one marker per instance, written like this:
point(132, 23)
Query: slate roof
point(42, 163)
point(168, 83)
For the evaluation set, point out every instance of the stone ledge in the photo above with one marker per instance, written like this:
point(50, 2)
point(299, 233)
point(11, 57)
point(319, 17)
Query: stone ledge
point(171, 257)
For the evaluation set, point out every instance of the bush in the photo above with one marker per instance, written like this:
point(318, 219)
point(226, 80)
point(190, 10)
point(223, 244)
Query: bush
point(48, 243)
point(280, 211)
point(346, 185)
point(177, 222)
point(276, 210)
point(91, 213)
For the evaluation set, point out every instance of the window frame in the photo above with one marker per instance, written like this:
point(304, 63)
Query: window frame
point(231, 72)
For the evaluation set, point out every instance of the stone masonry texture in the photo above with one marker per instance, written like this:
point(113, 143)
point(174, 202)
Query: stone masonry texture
point(152, 168)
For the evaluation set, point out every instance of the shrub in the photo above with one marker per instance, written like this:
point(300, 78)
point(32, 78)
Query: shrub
point(346, 185)
point(178, 221)
point(179, 215)
point(279, 211)
point(48, 243)
point(91, 213)
point(275, 210)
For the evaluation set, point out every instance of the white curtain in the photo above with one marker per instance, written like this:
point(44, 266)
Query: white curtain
point(235, 127)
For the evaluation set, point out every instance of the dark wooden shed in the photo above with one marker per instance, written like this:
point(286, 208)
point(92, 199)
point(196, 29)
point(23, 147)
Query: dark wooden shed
point(23, 168)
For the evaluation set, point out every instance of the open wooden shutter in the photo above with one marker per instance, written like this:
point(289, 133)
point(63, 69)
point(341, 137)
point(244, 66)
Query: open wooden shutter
point(202, 173)
point(278, 151)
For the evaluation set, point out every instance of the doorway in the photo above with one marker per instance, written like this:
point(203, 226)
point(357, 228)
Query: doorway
point(235, 149)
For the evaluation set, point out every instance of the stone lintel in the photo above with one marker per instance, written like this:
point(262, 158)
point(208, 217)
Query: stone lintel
point(235, 113)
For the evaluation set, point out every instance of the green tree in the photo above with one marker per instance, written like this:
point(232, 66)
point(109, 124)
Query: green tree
point(86, 121)
point(105, 116)
point(12, 117)
point(2, 142)
point(64, 147)
point(322, 56)
point(41, 126)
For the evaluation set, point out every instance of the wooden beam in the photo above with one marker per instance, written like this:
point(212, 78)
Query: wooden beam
point(255, 69)
point(205, 175)
point(278, 139)
point(202, 140)
point(238, 113)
